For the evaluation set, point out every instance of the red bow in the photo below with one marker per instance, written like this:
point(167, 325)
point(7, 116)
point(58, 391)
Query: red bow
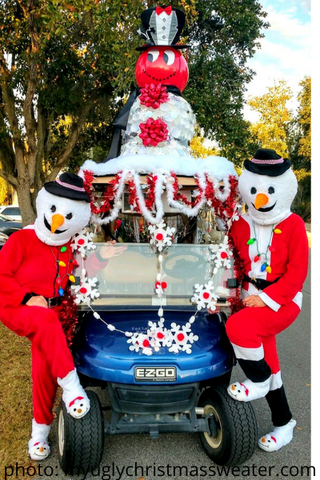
point(159, 10)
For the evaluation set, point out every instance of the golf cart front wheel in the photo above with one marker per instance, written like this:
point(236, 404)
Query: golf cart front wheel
point(233, 427)
point(80, 441)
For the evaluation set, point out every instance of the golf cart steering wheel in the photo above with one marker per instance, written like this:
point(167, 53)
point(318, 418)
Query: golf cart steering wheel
point(182, 267)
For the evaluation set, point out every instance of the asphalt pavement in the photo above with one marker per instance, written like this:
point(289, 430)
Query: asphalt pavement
point(181, 456)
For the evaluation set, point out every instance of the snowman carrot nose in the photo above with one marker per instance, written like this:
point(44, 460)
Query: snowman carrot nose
point(57, 221)
point(261, 200)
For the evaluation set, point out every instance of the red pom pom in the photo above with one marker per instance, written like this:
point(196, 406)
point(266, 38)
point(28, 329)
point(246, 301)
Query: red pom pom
point(180, 337)
point(160, 335)
point(224, 255)
point(206, 295)
point(146, 343)
point(164, 285)
point(159, 236)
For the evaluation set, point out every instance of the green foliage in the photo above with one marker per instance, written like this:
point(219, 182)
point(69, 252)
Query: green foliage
point(270, 131)
point(218, 71)
point(74, 61)
point(302, 201)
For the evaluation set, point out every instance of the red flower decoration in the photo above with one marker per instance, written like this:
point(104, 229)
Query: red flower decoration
point(153, 95)
point(153, 132)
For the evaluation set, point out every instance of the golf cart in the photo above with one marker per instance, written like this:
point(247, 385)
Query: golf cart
point(147, 336)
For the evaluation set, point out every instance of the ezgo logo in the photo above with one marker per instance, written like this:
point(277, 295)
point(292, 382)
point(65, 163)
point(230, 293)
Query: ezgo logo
point(155, 374)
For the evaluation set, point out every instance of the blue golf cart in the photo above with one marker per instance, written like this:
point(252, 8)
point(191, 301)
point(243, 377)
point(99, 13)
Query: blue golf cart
point(166, 389)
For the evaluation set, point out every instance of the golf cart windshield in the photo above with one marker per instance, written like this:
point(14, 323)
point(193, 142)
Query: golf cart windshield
point(129, 278)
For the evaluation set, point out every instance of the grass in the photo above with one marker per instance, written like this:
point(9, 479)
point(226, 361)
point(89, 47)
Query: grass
point(15, 400)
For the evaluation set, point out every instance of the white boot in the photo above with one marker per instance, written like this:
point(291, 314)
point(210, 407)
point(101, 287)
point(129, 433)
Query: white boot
point(74, 395)
point(248, 390)
point(38, 444)
point(277, 439)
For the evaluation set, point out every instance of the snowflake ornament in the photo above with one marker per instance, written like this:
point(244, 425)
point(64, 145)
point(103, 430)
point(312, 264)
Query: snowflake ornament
point(82, 242)
point(86, 291)
point(161, 236)
point(182, 338)
point(140, 342)
point(221, 255)
point(204, 296)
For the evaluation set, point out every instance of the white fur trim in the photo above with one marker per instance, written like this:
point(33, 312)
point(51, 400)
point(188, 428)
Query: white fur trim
point(269, 302)
point(275, 381)
point(244, 353)
point(298, 299)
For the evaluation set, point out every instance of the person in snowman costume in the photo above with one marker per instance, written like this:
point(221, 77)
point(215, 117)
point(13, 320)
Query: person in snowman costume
point(272, 244)
point(35, 265)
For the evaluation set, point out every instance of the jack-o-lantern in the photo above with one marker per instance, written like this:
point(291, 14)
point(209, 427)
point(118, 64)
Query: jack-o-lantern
point(162, 64)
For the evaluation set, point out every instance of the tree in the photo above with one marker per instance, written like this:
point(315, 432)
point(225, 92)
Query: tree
point(300, 129)
point(58, 60)
point(218, 71)
point(271, 129)
point(64, 65)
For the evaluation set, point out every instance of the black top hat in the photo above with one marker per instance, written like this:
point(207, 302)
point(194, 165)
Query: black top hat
point(267, 162)
point(68, 185)
point(161, 27)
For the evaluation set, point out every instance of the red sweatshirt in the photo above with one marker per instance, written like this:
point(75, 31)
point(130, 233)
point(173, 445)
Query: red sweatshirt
point(288, 256)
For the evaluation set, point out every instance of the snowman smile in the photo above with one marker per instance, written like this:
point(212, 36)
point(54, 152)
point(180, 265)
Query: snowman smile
point(49, 227)
point(267, 209)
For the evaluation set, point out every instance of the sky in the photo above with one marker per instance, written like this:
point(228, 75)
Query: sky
point(285, 52)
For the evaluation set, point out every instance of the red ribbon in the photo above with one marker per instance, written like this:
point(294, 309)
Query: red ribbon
point(160, 10)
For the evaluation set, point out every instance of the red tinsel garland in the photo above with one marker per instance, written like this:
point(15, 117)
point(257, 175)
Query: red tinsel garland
point(223, 209)
point(236, 303)
point(180, 197)
point(68, 315)
point(107, 196)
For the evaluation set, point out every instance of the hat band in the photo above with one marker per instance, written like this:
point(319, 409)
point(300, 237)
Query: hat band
point(73, 187)
point(267, 162)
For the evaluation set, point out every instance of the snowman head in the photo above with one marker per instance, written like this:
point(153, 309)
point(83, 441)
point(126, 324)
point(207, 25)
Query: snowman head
point(268, 186)
point(63, 209)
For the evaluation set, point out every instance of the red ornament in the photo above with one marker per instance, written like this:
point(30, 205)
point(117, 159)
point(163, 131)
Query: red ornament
point(83, 290)
point(159, 236)
point(180, 337)
point(224, 255)
point(206, 295)
point(164, 65)
point(153, 95)
point(153, 132)
point(164, 285)
point(160, 335)
point(80, 241)
point(146, 343)
point(256, 258)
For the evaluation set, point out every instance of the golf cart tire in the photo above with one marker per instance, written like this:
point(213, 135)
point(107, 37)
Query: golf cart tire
point(81, 441)
point(235, 437)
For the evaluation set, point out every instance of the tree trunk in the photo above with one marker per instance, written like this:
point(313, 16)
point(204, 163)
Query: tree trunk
point(25, 203)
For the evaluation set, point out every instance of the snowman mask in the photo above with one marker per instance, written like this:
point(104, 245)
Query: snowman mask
point(59, 218)
point(268, 198)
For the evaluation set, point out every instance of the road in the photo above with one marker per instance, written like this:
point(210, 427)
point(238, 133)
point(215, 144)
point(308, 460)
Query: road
point(180, 456)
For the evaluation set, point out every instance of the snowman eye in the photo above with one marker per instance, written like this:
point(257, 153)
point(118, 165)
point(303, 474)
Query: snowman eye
point(69, 216)
point(153, 55)
point(169, 57)
point(53, 208)
point(253, 190)
point(270, 190)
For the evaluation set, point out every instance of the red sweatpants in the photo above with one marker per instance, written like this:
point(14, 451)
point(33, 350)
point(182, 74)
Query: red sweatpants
point(51, 357)
point(252, 327)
